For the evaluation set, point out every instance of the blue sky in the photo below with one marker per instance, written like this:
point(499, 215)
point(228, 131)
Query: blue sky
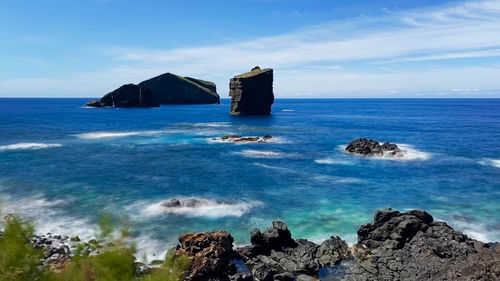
point(387, 48)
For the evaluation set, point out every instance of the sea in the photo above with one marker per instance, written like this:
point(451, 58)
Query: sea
point(64, 166)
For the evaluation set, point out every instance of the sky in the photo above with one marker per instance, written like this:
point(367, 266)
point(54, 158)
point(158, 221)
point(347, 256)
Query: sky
point(318, 49)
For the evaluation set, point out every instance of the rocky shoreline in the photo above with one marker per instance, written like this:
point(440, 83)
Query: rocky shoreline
point(395, 246)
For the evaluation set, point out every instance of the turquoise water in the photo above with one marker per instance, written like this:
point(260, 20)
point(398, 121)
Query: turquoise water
point(62, 166)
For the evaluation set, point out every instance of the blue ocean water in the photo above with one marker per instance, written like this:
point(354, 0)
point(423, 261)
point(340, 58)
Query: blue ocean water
point(62, 166)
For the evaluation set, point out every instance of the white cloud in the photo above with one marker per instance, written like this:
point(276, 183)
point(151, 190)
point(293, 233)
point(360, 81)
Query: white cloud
point(331, 59)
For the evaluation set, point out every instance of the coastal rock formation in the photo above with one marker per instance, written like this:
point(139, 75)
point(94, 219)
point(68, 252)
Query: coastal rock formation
point(412, 246)
point(369, 147)
point(211, 255)
point(274, 255)
point(128, 95)
point(240, 139)
point(169, 88)
point(252, 92)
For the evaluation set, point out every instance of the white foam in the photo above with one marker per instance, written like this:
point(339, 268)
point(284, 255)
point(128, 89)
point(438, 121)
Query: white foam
point(288, 110)
point(150, 248)
point(29, 146)
point(109, 135)
point(45, 217)
point(274, 168)
point(476, 231)
point(332, 161)
point(408, 153)
point(490, 162)
point(204, 208)
point(251, 153)
point(212, 124)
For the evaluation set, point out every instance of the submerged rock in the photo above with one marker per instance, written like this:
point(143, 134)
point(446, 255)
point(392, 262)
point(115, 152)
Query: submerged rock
point(412, 246)
point(236, 138)
point(252, 92)
point(169, 88)
point(211, 255)
point(369, 147)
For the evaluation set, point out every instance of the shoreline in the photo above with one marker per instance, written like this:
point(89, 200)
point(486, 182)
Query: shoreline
point(414, 240)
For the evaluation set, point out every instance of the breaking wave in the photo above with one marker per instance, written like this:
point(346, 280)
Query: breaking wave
point(409, 153)
point(251, 153)
point(109, 135)
point(193, 207)
point(332, 161)
point(29, 146)
point(490, 162)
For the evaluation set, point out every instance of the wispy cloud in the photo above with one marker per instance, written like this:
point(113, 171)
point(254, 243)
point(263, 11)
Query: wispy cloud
point(336, 58)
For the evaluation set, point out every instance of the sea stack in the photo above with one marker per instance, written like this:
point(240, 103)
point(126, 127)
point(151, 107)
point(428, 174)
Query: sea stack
point(169, 88)
point(129, 95)
point(252, 92)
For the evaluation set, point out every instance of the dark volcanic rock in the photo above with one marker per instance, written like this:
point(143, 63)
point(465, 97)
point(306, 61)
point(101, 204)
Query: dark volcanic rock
point(252, 92)
point(129, 95)
point(369, 147)
point(169, 88)
point(236, 138)
point(274, 252)
point(211, 255)
point(412, 246)
point(94, 103)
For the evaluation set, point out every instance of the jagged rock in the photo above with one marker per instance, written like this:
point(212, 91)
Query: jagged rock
point(128, 95)
point(287, 276)
point(94, 103)
point(274, 250)
point(240, 139)
point(369, 147)
point(412, 246)
point(169, 88)
point(252, 92)
point(211, 255)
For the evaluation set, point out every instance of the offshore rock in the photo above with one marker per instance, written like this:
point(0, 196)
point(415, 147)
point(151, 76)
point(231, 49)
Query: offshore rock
point(252, 92)
point(169, 88)
point(211, 255)
point(274, 252)
point(369, 147)
point(412, 246)
point(128, 95)
point(243, 139)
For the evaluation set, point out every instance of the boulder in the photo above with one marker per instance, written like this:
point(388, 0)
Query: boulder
point(129, 95)
point(252, 92)
point(369, 147)
point(275, 252)
point(169, 88)
point(211, 255)
point(412, 246)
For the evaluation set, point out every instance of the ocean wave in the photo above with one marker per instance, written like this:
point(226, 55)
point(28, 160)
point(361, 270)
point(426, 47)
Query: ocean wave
point(475, 230)
point(332, 161)
point(46, 216)
point(287, 110)
point(109, 135)
point(29, 146)
point(409, 153)
point(281, 169)
point(212, 124)
point(252, 153)
point(490, 162)
point(193, 207)
point(261, 140)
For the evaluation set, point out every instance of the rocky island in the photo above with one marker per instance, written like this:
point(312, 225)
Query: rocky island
point(369, 147)
point(167, 88)
point(252, 92)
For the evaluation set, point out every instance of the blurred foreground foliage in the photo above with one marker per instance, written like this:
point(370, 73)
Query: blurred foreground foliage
point(114, 259)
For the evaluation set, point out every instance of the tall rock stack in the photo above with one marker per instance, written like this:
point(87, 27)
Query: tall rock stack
point(252, 92)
